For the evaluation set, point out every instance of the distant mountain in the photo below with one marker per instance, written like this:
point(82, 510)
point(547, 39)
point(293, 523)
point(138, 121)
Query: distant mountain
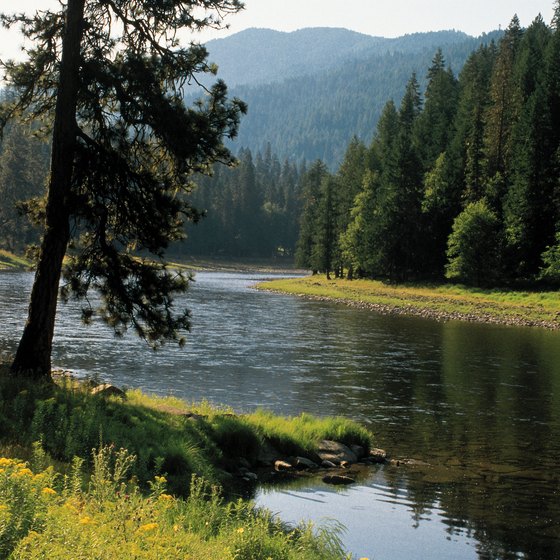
point(311, 90)
point(260, 56)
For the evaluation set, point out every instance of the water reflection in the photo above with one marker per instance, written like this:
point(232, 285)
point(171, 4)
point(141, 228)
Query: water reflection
point(479, 403)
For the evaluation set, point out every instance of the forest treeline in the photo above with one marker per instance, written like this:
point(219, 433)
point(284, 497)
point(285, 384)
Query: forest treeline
point(461, 180)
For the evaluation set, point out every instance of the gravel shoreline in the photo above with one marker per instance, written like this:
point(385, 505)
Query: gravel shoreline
point(428, 312)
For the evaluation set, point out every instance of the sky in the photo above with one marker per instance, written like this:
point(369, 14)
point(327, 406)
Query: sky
point(386, 18)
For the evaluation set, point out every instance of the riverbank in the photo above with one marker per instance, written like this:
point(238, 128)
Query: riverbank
point(439, 302)
point(10, 261)
point(152, 480)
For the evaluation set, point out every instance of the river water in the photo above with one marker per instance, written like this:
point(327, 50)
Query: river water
point(478, 405)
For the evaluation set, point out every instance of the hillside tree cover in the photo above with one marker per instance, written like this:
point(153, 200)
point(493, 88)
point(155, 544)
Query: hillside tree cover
point(106, 81)
point(463, 181)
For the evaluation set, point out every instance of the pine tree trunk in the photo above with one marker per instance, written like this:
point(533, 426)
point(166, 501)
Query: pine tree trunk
point(33, 356)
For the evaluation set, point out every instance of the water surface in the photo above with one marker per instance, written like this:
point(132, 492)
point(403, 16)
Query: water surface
point(479, 403)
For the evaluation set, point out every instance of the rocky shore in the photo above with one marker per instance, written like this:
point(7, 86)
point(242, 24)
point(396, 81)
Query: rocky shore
point(427, 312)
point(332, 460)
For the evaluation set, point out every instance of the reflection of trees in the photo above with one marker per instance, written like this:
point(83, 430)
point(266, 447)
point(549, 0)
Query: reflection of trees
point(480, 403)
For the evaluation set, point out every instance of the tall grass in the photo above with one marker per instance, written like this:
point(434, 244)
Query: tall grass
point(106, 516)
point(152, 488)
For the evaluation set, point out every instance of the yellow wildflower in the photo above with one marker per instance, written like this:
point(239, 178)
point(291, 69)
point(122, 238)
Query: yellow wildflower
point(165, 497)
point(147, 527)
point(22, 472)
point(176, 527)
point(3, 507)
point(160, 479)
point(49, 491)
point(4, 462)
point(241, 530)
point(86, 520)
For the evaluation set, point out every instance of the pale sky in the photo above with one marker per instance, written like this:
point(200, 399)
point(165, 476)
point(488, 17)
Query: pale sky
point(386, 18)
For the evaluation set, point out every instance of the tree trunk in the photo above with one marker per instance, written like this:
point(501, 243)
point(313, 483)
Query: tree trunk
point(33, 356)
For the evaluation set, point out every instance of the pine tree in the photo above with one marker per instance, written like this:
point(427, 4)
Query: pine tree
point(311, 182)
point(111, 76)
point(434, 127)
point(529, 213)
point(501, 113)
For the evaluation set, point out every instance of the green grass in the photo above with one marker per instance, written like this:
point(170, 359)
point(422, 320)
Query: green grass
point(9, 261)
point(105, 515)
point(446, 301)
point(68, 487)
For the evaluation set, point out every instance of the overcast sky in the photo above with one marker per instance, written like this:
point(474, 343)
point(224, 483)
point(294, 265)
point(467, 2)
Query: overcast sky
point(386, 18)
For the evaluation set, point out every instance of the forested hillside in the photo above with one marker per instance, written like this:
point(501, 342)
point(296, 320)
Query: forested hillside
point(261, 56)
point(463, 181)
point(326, 85)
point(443, 172)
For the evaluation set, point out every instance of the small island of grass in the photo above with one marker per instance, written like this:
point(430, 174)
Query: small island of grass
point(441, 302)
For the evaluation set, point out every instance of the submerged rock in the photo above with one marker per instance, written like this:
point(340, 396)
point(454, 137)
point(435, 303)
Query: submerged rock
point(377, 455)
point(338, 479)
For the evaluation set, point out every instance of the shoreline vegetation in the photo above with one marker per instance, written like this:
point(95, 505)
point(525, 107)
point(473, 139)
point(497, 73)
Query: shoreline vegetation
point(441, 302)
point(444, 302)
point(84, 464)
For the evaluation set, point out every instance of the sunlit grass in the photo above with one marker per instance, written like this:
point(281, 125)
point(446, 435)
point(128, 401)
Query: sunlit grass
point(449, 301)
point(64, 496)
point(105, 515)
point(10, 261)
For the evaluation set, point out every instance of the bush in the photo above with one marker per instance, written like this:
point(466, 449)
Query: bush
point(473, 248)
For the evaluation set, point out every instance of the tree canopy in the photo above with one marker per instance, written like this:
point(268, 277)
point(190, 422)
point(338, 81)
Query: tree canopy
point(106, 79)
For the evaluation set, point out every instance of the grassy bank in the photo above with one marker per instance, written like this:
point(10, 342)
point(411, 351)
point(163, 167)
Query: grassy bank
point(442, 302)
point(9, 261)
point(151, 487)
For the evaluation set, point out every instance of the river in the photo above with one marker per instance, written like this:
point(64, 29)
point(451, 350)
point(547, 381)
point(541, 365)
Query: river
point(478, 405)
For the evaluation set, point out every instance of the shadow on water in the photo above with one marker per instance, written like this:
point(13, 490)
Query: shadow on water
point(479, 403)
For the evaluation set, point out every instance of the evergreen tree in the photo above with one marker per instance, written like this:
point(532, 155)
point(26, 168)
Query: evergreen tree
point(311, 182)
point(434, 127)
point(23, 167)
point(501, 113)
point(324, 253)
point(529, 213)
point(111, 75)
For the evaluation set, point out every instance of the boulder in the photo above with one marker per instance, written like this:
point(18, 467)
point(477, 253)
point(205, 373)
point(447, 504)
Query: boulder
point(338, 479)
point(282, 466)
point(335, 452)
point(328, 465)
point(302, 463)
point(378, 455)
point(267, 455)
point(108, 390)
point(358, 450)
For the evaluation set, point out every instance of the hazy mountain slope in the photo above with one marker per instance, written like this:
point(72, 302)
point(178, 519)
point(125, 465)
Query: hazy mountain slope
point(258, 56)
point(315, 115)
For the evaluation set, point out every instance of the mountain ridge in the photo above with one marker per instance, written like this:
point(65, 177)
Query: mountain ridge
point(259, 56)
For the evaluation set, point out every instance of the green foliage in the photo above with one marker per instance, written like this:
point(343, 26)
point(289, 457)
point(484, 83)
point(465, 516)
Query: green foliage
point(41, 516)
point(108, 79)
point(474, 246)
point(470, 172)
point(550, 272)
point(69, 422)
